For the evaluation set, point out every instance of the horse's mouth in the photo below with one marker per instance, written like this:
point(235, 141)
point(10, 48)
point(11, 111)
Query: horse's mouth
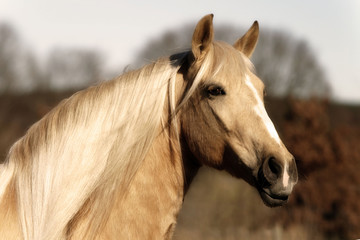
point(272, 200)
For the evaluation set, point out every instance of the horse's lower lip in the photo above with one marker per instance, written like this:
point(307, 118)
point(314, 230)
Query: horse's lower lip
point(272, 200)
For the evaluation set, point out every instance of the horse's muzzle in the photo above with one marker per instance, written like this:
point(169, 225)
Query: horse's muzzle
point(275, 181)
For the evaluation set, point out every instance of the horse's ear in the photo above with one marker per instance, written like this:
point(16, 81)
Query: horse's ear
point(202, 37)
point(247, 43)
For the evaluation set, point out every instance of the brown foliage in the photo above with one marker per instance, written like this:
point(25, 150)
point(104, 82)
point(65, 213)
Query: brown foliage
point(329, 158)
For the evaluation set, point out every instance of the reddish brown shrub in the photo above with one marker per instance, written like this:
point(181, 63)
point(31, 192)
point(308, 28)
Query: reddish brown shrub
point(329, 159)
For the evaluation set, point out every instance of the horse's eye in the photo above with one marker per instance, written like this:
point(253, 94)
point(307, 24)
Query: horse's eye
point(215, 91)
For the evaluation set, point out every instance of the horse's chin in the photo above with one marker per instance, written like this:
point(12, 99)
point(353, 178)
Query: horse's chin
point(272, 200)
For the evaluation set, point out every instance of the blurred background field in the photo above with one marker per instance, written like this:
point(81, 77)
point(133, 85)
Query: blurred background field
point(321, 130)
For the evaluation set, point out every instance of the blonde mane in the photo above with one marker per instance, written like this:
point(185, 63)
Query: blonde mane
point(89, 146)
point(86, 144)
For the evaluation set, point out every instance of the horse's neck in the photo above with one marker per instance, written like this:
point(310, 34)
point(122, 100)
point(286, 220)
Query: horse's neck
point(155, 195)
point(149, 208)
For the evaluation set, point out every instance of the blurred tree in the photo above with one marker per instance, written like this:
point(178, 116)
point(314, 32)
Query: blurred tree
point(34, 73)
point(9, 53)
point(19, 68)
point(73, 68)
point(21, 71)
point(287, 66)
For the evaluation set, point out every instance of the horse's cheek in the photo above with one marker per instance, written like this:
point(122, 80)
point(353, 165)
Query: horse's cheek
point(206, 146)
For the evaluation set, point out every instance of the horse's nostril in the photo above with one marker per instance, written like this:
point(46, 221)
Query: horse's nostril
point(275, 168)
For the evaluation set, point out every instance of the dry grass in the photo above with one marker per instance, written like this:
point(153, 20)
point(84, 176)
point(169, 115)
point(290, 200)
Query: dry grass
point(219, 206)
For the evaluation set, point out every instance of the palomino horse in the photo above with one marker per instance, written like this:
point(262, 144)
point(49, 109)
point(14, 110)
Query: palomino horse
point(114, 161)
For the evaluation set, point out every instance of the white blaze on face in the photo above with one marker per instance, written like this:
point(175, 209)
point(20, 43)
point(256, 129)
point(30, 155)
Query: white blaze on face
point(286, 176)
point(260, 110)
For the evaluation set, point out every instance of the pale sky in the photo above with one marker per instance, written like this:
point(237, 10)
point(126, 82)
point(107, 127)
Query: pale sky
point(121, 28)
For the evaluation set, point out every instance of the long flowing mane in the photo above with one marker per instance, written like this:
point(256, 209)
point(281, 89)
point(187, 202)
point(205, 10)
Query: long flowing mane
point(89, 146)
point(91, 143)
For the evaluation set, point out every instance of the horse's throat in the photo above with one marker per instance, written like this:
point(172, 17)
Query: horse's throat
point(190, 165)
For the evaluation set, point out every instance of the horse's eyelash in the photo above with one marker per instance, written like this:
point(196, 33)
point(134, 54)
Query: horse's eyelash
point(213, 85)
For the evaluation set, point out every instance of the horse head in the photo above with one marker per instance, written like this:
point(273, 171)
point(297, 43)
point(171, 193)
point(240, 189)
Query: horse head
point(224, 122)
